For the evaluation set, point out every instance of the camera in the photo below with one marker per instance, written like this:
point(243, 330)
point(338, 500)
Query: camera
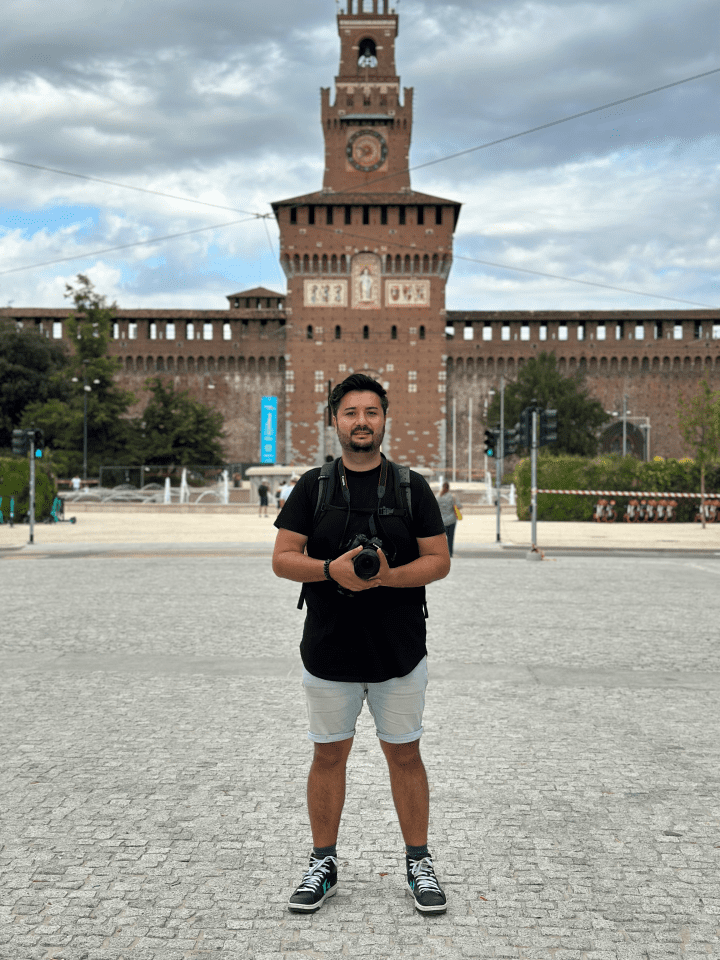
point(367, 562)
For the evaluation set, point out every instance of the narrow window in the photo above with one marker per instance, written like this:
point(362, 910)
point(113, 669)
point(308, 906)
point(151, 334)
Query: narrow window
point(468, 332)
point(678, 331)
point(132, 331)
point(227, 331)
point(487, 332)
point(348, 215)
point(620, 330)
point(366, 333)
point(401, 215)
point(309, 333)
point(658, 330)
point(421, 216)
point(169, 331)
point(505, 331)
point(338, 333)
point(525, 331)
point(207, 331)
point(57, 330)
point(393, 332)
point(639, 331)
point(563, 331)
point(366, 216)
point(311, 214)
point(438, 215)
point(601, 331)
point(581, 331)
point(698, 330)
point(115, 328)
point(329, 214)
point(293, 214)
point(153, 330)
point(543, 331)
point(422, 333)
point(383, 216)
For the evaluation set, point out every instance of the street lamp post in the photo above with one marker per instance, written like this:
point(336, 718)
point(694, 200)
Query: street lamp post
point(86, 390)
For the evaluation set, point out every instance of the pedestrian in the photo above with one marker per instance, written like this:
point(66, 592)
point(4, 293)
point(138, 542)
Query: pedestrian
point(363, 638)
point(263, 493)
point(451, 512)
point(76, 483)
point(286, 490)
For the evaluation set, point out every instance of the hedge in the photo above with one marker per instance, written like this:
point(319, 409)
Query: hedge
point(15, 483)
point(608, 472)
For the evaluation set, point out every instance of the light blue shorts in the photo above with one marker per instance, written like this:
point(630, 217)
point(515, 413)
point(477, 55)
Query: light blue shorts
point(396, 706)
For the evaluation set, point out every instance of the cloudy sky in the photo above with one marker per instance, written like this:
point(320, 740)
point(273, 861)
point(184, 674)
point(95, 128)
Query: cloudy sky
point(219, 102)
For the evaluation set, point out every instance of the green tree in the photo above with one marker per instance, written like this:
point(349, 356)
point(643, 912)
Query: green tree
point(579, 416)
point(176, 430)
point(699, 420)
point(29, 369)
point(62, 419)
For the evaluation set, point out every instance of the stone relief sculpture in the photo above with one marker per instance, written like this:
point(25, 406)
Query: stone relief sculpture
point(366, 273)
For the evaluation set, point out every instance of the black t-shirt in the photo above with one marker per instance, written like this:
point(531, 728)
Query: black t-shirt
point(377, 634)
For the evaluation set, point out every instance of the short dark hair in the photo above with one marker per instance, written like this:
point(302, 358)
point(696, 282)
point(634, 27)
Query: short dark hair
point(357, 381)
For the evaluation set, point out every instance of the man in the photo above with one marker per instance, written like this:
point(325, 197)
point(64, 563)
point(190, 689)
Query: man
point(363, 638)
point(263, 493)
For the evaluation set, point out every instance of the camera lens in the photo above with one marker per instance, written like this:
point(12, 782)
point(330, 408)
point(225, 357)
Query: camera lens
point(367, 564)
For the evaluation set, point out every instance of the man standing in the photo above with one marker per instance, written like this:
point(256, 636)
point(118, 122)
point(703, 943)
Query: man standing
point(286, 490)
point(363, 638)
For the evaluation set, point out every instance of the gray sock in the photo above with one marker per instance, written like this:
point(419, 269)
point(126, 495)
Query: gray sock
point(322, 852)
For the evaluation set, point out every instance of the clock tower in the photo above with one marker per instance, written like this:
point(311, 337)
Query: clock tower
point(366, 259)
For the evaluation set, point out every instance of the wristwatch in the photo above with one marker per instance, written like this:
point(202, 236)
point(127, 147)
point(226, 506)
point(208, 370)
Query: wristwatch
point(326, 571)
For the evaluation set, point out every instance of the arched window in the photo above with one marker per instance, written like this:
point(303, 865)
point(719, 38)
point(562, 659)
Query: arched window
point(366, 333)
point(334, 263)
point(426, 264)
point(324, 263)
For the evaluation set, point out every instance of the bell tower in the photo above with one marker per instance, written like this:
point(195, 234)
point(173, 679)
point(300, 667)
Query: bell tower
point(366, 259)
point(368, 127)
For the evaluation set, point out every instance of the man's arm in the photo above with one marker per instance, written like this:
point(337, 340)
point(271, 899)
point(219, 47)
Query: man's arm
point(292, 563)
point(432, 564)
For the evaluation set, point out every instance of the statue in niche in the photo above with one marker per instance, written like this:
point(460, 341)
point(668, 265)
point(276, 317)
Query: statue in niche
point(366, 286)
point(368, 54)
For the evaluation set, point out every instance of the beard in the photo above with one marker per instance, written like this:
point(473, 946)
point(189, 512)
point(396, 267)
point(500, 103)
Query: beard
point(365, 441)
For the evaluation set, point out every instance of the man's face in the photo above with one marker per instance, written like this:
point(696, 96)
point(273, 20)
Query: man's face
point(360, 422)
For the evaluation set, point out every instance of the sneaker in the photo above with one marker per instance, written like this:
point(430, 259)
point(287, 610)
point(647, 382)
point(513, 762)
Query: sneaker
point(319, 882)
point(424, 887)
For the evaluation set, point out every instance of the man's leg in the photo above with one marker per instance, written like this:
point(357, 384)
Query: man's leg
point(326, 790)
point(410, 790)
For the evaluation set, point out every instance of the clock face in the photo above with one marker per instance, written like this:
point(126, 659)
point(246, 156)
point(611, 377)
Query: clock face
point(367, 150)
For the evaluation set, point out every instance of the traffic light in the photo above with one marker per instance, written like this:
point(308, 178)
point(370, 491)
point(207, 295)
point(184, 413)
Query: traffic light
point(20, 442)
point(512, 439)
point(491, 442)
point(548, 427)
point(38, 438)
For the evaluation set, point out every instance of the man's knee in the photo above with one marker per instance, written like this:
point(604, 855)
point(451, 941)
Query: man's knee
point(332, 754)
point(401, 754)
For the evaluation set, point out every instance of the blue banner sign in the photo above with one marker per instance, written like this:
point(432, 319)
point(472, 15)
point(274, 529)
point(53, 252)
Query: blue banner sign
point(268, 430)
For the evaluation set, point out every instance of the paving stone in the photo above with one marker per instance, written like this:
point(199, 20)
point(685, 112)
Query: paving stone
point(154, 761)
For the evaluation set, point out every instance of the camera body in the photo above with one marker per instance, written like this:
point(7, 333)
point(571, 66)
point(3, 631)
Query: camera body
point(367, 562)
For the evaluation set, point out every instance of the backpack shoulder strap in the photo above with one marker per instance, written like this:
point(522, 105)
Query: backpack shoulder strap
point(326, 488)
point(402, 477)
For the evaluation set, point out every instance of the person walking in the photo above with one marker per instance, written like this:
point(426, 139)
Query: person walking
point(285, 491)
point(263, 493)
point(450, 506)
point(363, 638)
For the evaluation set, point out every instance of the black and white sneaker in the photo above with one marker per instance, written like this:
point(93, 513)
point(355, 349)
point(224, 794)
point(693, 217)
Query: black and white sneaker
point(424, 887)
point(319, 882)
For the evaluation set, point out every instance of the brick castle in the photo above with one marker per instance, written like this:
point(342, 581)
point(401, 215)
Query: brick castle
point(367, 259)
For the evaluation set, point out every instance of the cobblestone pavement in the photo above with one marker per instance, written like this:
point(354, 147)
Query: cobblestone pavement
point(154, 755)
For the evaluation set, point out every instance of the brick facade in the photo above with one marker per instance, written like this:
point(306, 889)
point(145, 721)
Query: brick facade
point(367, 260)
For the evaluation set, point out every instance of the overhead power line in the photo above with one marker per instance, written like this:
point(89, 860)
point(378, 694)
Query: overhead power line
point(542, 126)
point(128, 186)
point(386, 241)
point(125, 246)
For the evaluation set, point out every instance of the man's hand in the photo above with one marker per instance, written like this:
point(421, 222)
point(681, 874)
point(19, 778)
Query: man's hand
point(343, 572)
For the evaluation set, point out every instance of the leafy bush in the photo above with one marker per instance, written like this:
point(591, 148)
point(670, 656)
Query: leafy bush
point(609, 472)
point(15, 483)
